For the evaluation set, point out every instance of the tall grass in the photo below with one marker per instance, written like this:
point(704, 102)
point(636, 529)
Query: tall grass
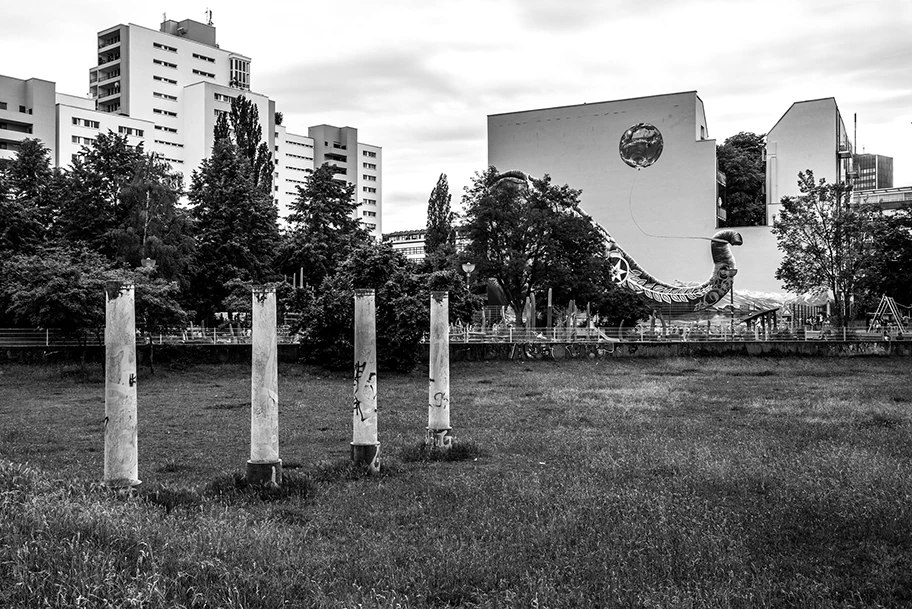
point(665, 483)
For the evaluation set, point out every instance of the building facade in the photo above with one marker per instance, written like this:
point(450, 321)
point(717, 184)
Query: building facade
point(872, 171)
point(165, 89)
point(26, 111)
point(660, 213)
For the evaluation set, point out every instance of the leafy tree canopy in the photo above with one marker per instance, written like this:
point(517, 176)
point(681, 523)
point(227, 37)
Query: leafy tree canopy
point(440, 236)
point(740, 158)
point(825, 241)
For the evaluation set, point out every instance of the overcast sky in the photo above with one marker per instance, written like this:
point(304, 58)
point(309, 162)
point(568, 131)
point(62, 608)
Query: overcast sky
point(419, 77)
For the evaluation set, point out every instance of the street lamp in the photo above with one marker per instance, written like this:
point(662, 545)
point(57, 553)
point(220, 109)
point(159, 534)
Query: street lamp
point(468, 267)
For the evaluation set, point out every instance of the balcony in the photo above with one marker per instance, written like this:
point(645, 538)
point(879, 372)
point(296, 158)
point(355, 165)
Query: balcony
point(108, 58)
point(107, 42)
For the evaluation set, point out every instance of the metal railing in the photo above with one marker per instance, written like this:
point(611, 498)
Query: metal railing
point(51, 337)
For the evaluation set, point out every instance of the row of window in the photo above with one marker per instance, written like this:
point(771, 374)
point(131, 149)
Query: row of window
point(298, 156)
point(82, 140)
point(370, 154)
point(369, 201)
point(169, 81)
point(220, 97)
point(164, 96)
point(169, 143)
point(370, 225)
point(299, 169)
point(130, 131)
point(369, 214)
point(369, 178)
point(411, 250)
point(22, 109)
point(84, 122)
point(165, 64)
point(203, 57)
point(173, 160)
point(368, 189)
point(201, 73)
point(168, 129)
point(164, 47)
point(164, 112)
point(300, 144)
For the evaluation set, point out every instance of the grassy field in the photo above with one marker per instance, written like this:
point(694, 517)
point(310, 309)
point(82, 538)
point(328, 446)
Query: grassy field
point(619, 483)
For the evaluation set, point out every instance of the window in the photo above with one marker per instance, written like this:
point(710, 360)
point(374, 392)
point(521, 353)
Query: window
point(165, 64)
point(173, 160)
point(164, 112)
point(164, 47)
point(201, 73)
point(22, 109)
point(370, 165)
point(169, 143)
point(82, 140)
point(130, 131)
point(370, 226)
point(369, 214)
point(368, 189)
point(219, 112)
point(83, 122)
point(164, 96)
point(168, 129)
point(223, 98)
point(203, 58)
point(372, 155)
point(239, 76)
point(369, 201)
point(2, 105)
point(369, 178)
point(165, 80)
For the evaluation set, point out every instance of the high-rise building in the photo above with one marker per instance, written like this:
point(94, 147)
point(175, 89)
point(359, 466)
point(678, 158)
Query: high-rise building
point(166, 88)
point(872, 171)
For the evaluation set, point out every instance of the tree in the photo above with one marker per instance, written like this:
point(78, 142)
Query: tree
point(236, 226)
point(323, 226)
point(440, 237)
point(28, 197)
point(152, 224)
point(890, 268)
point(530, 235)
point(740, 158)
point(402, 318)
point(248, 136)
point(826, 242)
point(92, 208)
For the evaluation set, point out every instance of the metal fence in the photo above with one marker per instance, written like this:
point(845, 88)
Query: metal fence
point(40, 337)
point(50, 337)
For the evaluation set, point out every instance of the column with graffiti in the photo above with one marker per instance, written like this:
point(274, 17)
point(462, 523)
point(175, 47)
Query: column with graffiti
point(264, 466)
point(365, 448)
point(439, 433)
point(121, 463)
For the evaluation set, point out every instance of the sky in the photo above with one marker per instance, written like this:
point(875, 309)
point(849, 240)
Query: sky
point(420, 77)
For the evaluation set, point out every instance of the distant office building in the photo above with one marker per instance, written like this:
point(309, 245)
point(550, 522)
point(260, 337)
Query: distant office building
point(165, 89)
point(409, 242)
point(888, 199)
point(872, 171)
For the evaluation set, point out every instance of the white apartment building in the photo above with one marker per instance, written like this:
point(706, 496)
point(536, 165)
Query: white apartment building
point(165, 88)
point(26, 111)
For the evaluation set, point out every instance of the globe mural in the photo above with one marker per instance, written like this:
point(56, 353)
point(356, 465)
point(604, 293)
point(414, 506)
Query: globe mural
point(641, 145)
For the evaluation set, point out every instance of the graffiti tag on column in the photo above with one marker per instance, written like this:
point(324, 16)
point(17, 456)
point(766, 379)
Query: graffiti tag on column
point(440, 400)
point(368, 386)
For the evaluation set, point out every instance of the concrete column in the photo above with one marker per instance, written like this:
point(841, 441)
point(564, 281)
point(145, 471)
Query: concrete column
point(439, 432)
point(365, 449)
point(121, 464)
point(264, 466)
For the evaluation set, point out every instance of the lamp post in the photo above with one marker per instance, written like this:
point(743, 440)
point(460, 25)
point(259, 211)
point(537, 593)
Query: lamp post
point(468, 267)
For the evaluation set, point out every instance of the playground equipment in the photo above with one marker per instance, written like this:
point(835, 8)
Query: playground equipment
point(887, 315)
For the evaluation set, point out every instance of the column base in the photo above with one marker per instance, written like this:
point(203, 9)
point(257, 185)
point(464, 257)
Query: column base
point(439, 438)
point(264, 473)
point(122, 483)
point(366, 454)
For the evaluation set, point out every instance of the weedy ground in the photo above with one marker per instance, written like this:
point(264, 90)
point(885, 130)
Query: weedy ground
point(619, 483)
